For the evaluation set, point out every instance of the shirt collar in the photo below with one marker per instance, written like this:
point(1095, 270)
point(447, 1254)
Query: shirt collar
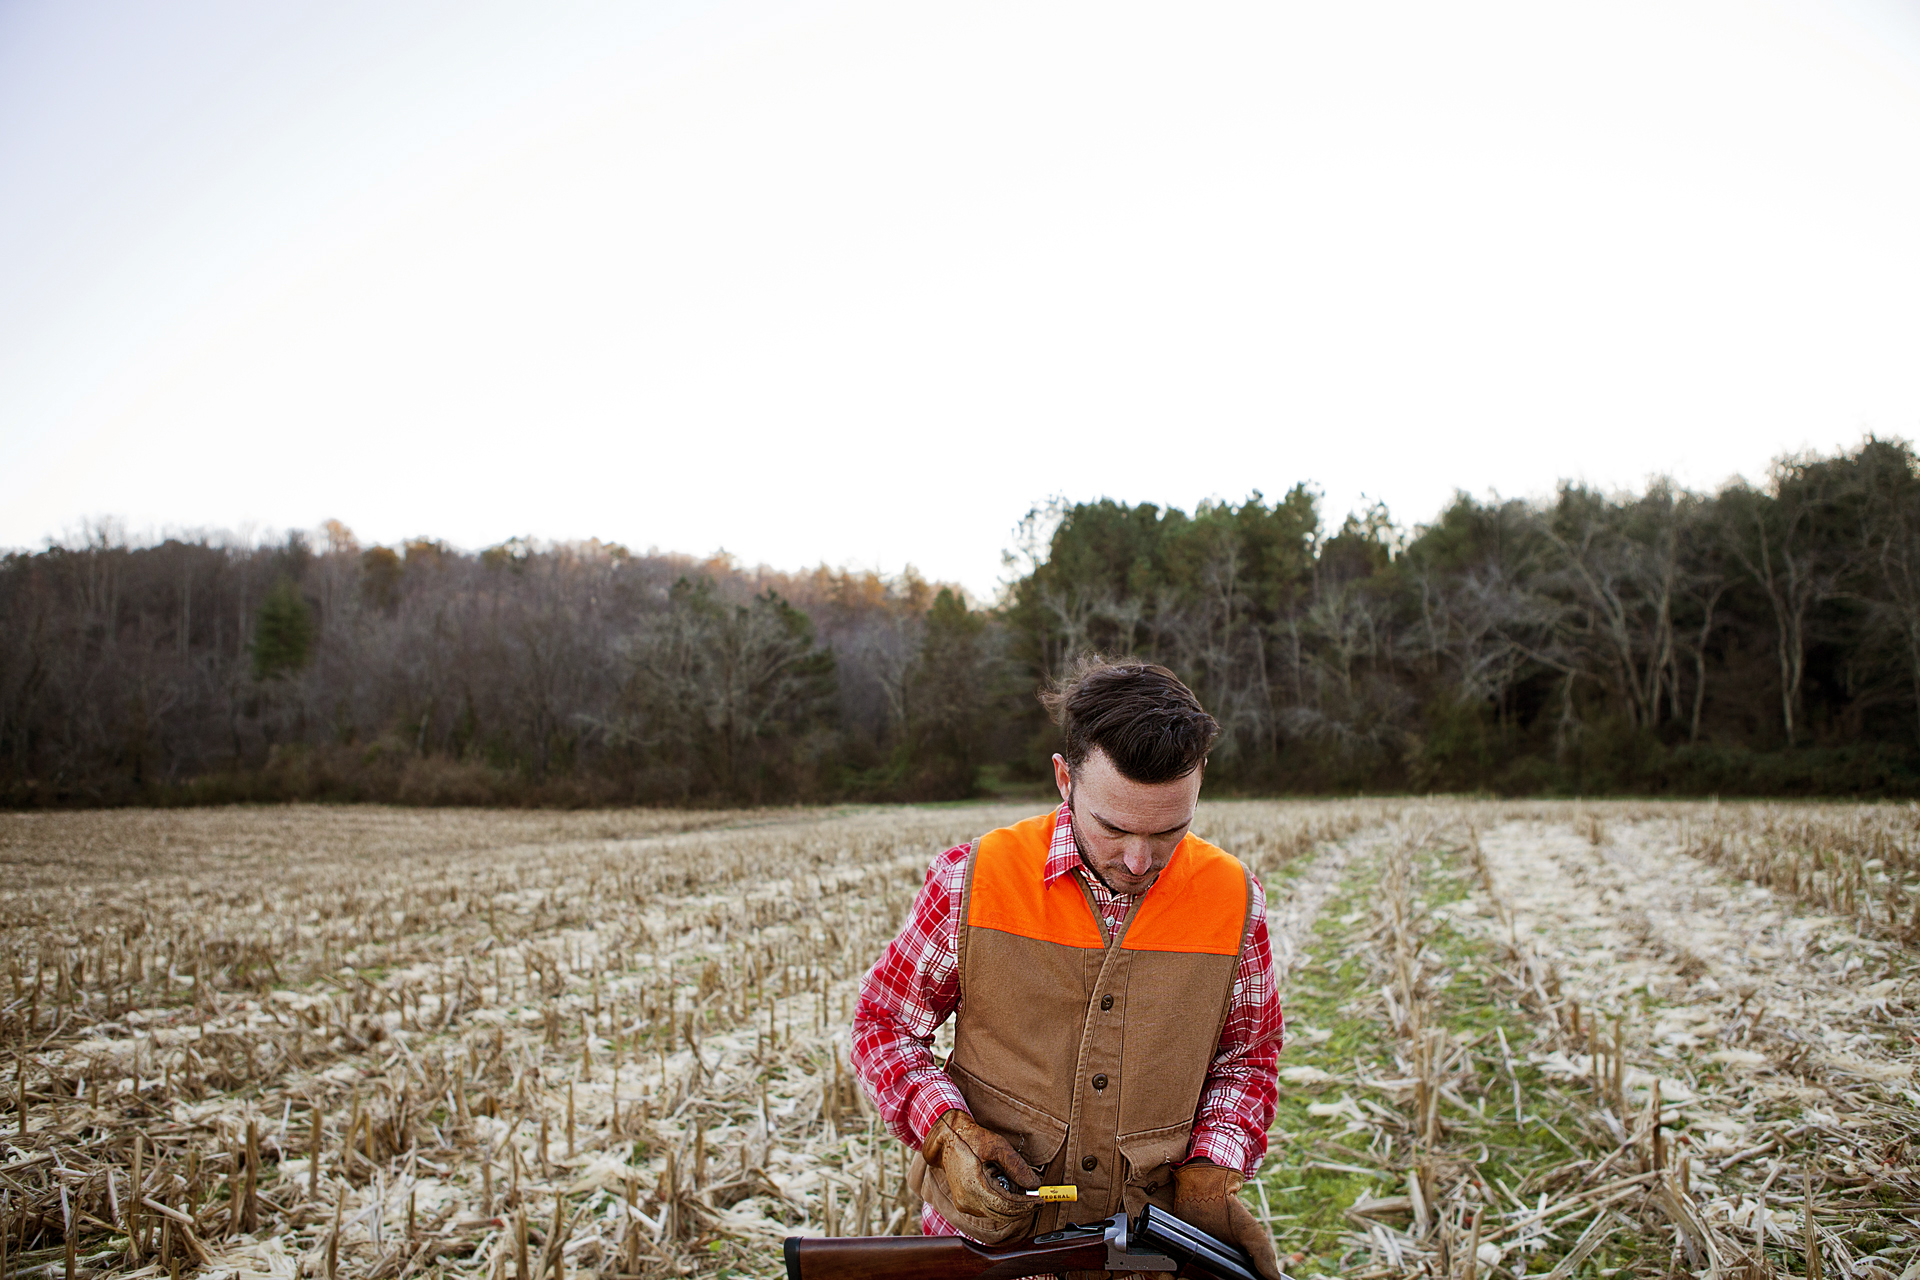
point(1063, 855)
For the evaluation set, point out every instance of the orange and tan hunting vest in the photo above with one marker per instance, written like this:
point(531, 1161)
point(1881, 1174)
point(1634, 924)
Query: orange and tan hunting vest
point(1087, 1052)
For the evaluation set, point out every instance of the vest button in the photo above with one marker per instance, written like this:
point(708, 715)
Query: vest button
point(1100, 1081)
point(1106, 1003)
point(1090, 1164)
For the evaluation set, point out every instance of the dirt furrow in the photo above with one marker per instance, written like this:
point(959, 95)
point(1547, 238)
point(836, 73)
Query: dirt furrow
point(1631, 913)
point(1785, 1040)
point(1294, 905)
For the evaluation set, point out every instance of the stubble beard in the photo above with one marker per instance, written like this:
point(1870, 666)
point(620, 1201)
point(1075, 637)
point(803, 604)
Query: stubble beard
point(1080, 851)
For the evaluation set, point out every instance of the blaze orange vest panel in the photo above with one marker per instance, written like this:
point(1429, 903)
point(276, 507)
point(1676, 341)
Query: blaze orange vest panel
point(1198, 903)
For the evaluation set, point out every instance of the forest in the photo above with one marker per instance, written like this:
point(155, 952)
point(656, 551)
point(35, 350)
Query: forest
point(1756, 640)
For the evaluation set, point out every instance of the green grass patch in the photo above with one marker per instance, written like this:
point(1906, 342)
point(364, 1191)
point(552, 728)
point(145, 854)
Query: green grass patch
point(1309, 1202)
point(1339, 1025)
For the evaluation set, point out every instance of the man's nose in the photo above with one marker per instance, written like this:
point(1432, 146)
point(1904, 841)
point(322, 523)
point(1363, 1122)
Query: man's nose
point(1139, 860)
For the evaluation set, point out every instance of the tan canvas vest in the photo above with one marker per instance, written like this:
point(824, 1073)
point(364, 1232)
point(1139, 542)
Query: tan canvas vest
point(1086, 1052)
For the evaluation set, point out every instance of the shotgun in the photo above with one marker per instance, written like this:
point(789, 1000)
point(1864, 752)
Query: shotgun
point(1158, 1241)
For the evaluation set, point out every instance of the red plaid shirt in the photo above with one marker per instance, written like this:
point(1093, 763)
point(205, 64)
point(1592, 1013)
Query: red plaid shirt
point(915, 986)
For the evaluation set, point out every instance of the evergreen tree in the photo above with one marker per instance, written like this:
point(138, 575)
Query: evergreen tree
point(283, 632)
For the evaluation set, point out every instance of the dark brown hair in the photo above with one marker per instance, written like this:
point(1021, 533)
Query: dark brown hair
point(1139, 713)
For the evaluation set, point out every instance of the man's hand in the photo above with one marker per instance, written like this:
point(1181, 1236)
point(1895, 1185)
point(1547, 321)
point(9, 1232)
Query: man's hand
point(961, 1150)
point(1208, 1197)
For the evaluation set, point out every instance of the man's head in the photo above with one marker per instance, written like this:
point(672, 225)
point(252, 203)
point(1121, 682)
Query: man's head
point(1136, 745)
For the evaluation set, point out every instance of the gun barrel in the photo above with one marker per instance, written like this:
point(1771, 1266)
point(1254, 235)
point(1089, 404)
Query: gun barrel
point(1198, 1253)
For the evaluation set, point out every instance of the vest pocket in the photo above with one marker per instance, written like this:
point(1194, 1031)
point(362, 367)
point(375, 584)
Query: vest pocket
point(1036, 1135)
point(1150, 1156)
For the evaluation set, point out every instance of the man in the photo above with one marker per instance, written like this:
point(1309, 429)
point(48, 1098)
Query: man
point(1118, 1026)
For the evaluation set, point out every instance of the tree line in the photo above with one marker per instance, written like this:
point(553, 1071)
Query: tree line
point(1757, 640)
point(209, 669)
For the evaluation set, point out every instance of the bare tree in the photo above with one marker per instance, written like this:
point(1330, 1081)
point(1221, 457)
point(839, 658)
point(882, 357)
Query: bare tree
point(1775, 544)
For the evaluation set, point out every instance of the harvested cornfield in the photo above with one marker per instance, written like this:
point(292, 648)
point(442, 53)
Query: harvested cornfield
point(1565, 1040)
point(377, 1043)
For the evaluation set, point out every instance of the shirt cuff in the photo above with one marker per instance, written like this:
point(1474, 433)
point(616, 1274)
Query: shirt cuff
point(931, 1100)
point(1225, 1146)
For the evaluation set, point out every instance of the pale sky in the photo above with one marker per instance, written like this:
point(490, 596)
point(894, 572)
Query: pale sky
point(862, 282)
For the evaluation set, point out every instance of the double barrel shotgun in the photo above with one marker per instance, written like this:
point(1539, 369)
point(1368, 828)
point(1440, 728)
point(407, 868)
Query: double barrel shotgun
point(1157, 1241)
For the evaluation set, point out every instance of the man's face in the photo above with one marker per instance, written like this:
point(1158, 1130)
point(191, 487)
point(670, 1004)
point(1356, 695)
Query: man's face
point(1127, 831)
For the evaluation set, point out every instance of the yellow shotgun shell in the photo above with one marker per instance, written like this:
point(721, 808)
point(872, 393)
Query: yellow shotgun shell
point(1057, 1193)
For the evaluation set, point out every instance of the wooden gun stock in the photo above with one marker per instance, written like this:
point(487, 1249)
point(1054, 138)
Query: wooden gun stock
point(937, 1258)
point(1089, 1247)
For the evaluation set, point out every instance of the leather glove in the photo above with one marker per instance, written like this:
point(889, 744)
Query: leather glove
point(961, 1150)
point(1208, 1197)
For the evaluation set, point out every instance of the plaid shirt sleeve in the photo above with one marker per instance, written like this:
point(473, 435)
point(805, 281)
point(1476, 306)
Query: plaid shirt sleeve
point(912, 988)
point(1238, 1096)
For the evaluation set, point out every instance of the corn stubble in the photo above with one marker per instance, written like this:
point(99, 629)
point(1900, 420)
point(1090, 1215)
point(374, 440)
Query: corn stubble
point(382, 1043)
point(1567, 1043)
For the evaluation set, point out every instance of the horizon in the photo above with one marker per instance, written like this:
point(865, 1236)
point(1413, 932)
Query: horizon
point(77, 535)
